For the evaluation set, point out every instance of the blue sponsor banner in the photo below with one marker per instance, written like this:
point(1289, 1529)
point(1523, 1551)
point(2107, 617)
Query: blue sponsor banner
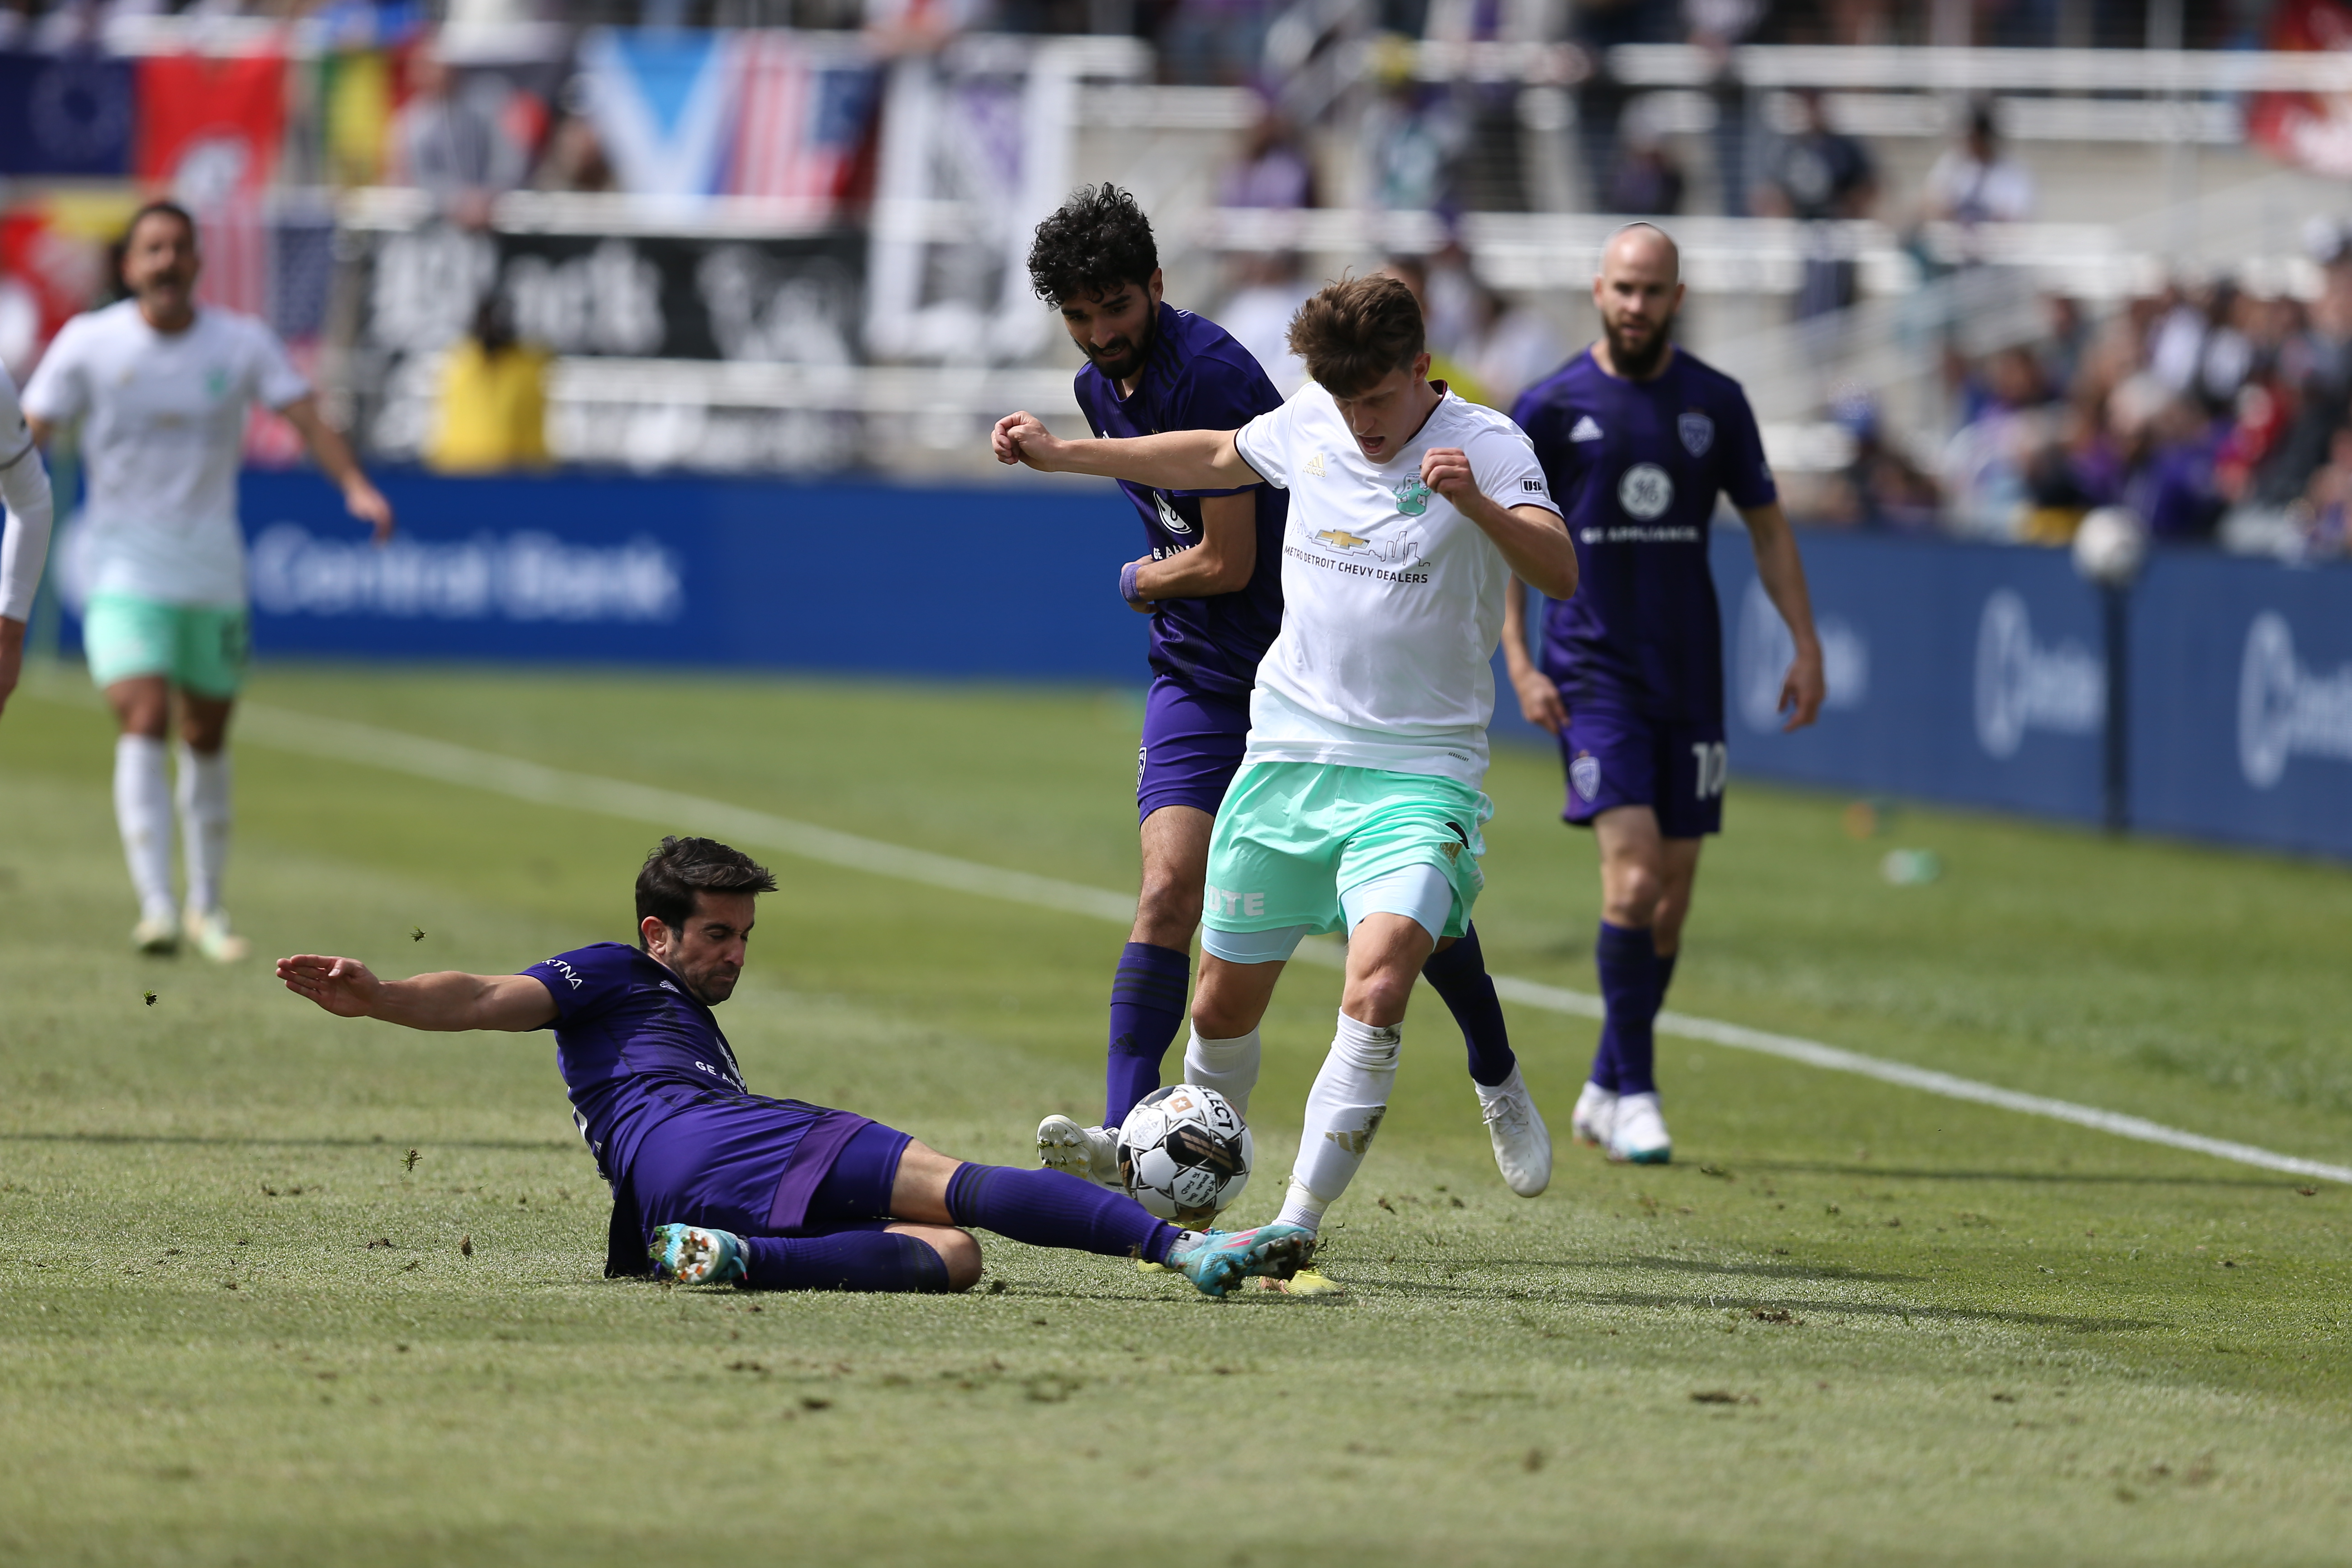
point(1012, 583)
point(2242, 702)
point(1972, 674)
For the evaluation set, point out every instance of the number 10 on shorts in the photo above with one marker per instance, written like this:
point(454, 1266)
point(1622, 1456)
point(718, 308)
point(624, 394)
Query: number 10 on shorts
point(1714, 767)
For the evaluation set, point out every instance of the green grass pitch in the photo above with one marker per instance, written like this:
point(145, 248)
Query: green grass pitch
point(1852, 1324)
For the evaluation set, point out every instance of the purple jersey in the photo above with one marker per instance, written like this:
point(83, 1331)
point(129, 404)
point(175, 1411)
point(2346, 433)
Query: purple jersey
point(1639, 465)
point(1197, 378)
point(634, 1047)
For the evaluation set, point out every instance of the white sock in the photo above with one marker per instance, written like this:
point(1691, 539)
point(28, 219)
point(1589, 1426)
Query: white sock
point(1343, 1111)
point(1229, 1067)
point(203, 796)
point(143, 811)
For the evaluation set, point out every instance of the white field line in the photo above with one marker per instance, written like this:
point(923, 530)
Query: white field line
point(340, 741)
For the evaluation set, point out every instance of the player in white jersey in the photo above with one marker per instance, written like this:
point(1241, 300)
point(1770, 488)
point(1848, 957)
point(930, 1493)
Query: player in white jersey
point(25, 544)
point(1359, 803)
point(160, 389)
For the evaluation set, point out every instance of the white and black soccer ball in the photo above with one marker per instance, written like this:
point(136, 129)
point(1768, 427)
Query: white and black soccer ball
point(1185, 1154)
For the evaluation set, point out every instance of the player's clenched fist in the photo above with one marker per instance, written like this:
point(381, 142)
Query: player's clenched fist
point(1446, 470)
point(343, 987)
point(1024, 438)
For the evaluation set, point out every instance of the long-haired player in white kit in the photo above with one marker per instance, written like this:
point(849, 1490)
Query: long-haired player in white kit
point(161, 386)
point(1359, 803)
point(25, 543)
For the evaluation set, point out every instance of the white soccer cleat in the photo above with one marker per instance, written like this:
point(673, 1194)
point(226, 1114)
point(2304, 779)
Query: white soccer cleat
point(1595, 1116)
point(1522, 1142)
point(1091, 1153)
point(1640, 1137)
point(209, 934)
point(159, 937)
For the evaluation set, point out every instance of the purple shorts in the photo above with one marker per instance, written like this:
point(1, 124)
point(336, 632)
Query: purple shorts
point(1191, 748)
point(766, 1167)
point(1615, 758)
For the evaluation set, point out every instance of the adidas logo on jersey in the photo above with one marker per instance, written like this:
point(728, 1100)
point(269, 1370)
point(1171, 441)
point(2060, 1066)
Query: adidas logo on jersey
point(1586, 429)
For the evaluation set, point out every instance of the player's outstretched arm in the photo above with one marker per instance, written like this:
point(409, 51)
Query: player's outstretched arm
point(1533, 539)
point(1171, 460)
point(448, 1001)
point(333, 454)
point(1804, 689)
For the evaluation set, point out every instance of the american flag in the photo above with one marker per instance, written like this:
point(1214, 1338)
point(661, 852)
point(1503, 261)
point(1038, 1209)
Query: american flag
point(802, 122)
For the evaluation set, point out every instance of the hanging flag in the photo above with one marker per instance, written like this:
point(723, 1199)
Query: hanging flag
point(209, 127)
point(355, 90)
point(65, 115)
point(664, 104)
point(2310, 129)
point(804, 121)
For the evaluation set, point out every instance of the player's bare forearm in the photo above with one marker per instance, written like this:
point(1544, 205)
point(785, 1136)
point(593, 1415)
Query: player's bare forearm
point(12, 656)
point(445, 1002)
point(1540, 699)
point(1534, 543)
point(1782, 572)
point(1171, 460)
point(333, 454)
point(1221, 564)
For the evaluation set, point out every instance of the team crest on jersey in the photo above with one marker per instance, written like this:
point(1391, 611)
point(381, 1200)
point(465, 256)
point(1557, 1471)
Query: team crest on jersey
point(1645, 491)
point(1697, 432)
point(1168, 518)
point(1412, 497)
point(1584, 773)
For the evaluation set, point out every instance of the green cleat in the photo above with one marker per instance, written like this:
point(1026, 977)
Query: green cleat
point(1220, 1259)
point(693, 1254)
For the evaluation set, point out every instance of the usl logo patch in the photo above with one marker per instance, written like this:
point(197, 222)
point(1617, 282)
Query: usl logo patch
point(1584, 775)
point(1697, 432)
point(1645, 491)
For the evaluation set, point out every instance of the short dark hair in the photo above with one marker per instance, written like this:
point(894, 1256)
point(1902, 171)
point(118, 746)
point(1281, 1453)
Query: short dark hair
point(157, 209)
point(1355, 332)
point(682, 868)
point(1093, 244)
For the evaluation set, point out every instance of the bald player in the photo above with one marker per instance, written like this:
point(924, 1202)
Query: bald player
point(1637, 439)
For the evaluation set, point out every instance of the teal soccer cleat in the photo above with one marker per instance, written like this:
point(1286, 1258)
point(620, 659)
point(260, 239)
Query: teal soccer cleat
point(692, 1255)
point(1221, 1259)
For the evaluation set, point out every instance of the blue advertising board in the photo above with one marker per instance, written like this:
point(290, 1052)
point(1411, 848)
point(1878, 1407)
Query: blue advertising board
point(2242, 702)
point(1957, 672)
point(1019, 582)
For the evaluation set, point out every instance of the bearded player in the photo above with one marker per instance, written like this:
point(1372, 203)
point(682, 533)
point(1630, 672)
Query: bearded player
point(1212, 588)
point(1639, 437)
point(1360, 800)
point(713, 1185)
point(161, 387)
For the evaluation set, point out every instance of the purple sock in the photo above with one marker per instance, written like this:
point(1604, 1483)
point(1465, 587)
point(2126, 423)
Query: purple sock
point(1146, 1006)
point(1630, 987)
point(1459, 977)
point(1052, 1208)
point(847, 1261)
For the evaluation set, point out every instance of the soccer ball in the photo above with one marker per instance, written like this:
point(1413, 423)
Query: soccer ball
point(1184, 1155)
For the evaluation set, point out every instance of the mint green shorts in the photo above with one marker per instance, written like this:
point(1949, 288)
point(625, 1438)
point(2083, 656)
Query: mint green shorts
point(1293, 840)
point(197, 647)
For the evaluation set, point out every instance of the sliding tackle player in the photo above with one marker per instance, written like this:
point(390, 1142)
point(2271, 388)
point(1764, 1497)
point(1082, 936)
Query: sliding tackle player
point(714, 1184)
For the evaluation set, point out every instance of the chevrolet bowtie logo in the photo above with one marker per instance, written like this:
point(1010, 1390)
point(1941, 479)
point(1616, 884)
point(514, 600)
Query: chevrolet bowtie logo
point(1342, 538)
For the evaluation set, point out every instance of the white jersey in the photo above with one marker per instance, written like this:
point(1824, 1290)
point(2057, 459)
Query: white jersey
point(25, 487)
point(163, 427)
point(1392, 600)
